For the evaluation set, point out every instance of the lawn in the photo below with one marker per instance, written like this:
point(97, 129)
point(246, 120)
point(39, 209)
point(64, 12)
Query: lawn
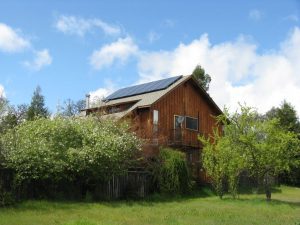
point(202, 208)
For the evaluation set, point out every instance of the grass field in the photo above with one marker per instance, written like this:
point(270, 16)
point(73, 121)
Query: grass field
point(203, 208)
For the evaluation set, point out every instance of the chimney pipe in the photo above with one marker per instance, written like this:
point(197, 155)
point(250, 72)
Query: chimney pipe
point(87, 101)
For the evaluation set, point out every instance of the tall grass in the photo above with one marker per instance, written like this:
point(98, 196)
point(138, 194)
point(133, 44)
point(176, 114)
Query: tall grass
point(200, 208)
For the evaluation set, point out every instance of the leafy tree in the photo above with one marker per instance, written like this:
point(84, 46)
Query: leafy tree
point(14, 116)
point(3, 106)
point(37, 107)
point(287, 116)
point(288, 120)
point(203, 78)
point(3, 111)
point(260, 147)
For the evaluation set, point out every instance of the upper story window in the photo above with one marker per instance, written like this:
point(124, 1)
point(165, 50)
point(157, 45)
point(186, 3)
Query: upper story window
point(155, 121)
point(191, 123)
point(155, 117)
point(178, 122)
point(113, 109)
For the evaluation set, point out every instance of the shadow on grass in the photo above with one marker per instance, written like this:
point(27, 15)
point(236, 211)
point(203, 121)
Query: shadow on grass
point(261, 199)
point(259, 190)
point(156, 198)
point(46, 204)
point(152, 200)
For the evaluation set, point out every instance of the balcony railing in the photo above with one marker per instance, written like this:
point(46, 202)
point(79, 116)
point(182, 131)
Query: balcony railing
point(183, 137)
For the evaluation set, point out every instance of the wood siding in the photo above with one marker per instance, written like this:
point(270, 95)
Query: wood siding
point(185, 100)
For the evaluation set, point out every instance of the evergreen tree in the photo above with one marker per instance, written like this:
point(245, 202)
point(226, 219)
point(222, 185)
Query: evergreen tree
point(37, 107)
point(287, 116)
point(203, 78)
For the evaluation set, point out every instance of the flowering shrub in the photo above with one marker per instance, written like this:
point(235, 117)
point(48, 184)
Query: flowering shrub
point(60, 148)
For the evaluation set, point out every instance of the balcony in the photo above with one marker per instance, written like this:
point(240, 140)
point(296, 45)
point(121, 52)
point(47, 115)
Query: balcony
point(183, 137)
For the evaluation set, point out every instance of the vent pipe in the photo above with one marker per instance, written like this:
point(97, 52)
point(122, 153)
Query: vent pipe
point(87, 101)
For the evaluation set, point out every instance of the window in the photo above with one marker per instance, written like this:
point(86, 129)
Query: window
point(155, 117)
point(155, 121)
point(178, 121)
point(191, 123)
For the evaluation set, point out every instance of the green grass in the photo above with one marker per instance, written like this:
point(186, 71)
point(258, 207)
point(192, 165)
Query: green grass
point(202, 208)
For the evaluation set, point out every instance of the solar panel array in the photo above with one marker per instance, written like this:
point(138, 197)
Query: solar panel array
point(143, 88)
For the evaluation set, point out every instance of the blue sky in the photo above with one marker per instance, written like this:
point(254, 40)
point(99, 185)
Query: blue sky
point(71, 48)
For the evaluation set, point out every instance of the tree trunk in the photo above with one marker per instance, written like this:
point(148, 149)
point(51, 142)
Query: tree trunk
point(267, 184)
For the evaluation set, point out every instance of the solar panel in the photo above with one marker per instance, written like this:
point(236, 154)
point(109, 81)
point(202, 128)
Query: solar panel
point(143, 88)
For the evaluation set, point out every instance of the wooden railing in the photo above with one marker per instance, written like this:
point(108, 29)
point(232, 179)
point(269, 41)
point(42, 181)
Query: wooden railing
point(183, 137)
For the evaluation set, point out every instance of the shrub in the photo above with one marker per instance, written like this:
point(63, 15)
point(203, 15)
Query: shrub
point(171, 172)
point(59, 148)
point(6, 198)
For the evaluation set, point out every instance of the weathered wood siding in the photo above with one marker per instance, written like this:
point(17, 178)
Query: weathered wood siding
point(184, 100)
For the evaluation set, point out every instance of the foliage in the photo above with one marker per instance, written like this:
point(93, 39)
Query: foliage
point(259, 146)
point(71, 108)
point(287, 117)
point(37, 107)
point(222, 164)
point(203, 78)
point(3, 106)
point(13, 117)
point(288, 120)
point(6, 198)
point(67, 148)
point(171, 172)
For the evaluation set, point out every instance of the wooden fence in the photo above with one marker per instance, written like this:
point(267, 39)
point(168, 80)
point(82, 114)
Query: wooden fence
point(133, 184)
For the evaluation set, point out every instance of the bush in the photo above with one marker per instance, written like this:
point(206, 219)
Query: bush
point(6, 198)
point(82, 149)
point(171, 172)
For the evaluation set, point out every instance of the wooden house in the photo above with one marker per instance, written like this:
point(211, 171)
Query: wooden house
point(169, 112)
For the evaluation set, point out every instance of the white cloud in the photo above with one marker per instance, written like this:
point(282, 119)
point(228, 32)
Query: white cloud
point(80, 26)
point(97, 95)
point(2, 92)
point(239, 72)
point(11, 40)
point(42, 59)
point(255, 14)
point(120, 50)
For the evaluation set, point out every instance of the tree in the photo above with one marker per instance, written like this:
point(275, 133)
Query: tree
point(71, 108)
point(288, 120)
point(37, 107)
point(260, 147)
point(287, 116)
point(4, 110)
point(13, 117)
point(203, 78)
point(3, 106)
